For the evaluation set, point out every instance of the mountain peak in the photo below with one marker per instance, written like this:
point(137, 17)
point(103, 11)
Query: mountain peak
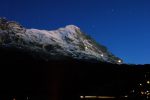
point(72, 27)
point(64, 42)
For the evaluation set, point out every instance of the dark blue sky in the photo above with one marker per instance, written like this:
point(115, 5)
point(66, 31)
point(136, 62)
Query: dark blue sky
point(121, 25)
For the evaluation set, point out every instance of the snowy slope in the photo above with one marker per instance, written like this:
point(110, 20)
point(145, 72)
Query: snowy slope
point(67, 41)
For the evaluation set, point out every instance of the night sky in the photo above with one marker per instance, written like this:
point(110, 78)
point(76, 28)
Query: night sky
point(121, 25)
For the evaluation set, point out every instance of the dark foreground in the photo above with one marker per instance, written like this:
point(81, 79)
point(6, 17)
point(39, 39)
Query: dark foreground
point(24, 77)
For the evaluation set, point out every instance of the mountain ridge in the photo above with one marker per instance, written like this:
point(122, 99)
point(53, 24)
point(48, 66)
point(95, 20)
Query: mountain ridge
point(68, 41)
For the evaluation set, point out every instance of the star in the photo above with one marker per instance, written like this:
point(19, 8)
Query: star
point(112, 10)
point(93, 26)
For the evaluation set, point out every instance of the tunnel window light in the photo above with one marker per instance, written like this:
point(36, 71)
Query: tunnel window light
point(148, 82)
point(119, 61)
point(86, 47)
point(102, 55)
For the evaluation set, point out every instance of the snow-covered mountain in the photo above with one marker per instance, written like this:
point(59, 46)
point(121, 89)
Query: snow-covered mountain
point(69, 41)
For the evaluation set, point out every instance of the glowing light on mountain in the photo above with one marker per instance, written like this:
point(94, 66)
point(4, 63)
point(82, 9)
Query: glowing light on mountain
point(86, 47)
point(102, 55)
point(119, 61)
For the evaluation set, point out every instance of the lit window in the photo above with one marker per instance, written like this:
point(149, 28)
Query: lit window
point(147, 91)
point(81, 97)
point(140, 84)
point(133, 91)
point(142, 92)
point(97, 97)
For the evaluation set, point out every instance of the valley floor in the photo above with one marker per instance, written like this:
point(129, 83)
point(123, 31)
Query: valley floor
point(24, 77)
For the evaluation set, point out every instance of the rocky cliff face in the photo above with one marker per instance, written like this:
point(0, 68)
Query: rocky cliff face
point(69, 42)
